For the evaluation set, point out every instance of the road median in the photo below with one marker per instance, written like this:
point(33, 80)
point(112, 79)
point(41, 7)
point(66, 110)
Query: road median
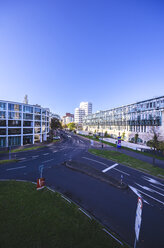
point(90, 171)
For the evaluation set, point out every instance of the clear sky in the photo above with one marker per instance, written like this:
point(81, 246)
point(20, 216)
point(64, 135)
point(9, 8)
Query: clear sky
point(62, 52)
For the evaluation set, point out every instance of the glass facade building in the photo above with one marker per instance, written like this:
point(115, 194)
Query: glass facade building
point(143, 118)
point(22, 124)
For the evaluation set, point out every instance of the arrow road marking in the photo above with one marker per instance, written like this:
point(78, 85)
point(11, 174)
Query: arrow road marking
point(109, 168)
point(151, 180)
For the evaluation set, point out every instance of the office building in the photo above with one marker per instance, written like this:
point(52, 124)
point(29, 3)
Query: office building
point(22, 124)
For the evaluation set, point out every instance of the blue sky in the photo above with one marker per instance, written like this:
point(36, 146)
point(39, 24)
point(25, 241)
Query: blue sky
point(62, 52)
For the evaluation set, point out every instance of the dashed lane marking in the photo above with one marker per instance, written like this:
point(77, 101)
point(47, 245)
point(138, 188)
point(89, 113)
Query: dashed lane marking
point(109, 168)
point(16, 168)
point(45, 154)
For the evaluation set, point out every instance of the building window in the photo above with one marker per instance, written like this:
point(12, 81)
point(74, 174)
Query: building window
point(14, 123)
point(2, 142)
point(28, 109)
point(14, 115)
point(13, 131)
point(2, 106)
point(28, 139)
point(2, 131)
point(2, 115)
point(15, 141)
point(37, 111)
point(14, 107)
point(37, 124)
point(27, 123)
point(2, 123)
point(27, 131)
point(27, 116)
point(37, 117)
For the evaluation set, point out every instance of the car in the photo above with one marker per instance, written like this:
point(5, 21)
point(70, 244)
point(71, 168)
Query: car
point(56, 137)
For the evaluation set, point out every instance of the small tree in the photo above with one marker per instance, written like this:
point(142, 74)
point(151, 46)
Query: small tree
point(106, 134)
point(123, 136)
point(136, 138)
point(71, 126)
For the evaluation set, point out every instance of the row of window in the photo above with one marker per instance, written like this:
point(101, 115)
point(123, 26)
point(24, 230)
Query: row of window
point(17, 115)
point(18, 107)
point(14, 131)
point(16, 123)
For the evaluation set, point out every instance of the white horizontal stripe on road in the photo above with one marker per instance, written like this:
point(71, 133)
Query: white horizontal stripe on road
point(16, 168)
point(122, 172)
point(109, 168)
point(45, 154)
point(95, 161)
point(22, 158)
point(36, 156)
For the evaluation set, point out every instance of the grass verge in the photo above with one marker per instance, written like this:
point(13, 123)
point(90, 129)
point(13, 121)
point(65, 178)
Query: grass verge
point(8, 161)
point(123, 147)
point(31, 218)
point(129, 161)
point(27, 149)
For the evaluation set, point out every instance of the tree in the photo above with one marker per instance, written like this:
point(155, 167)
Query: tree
point(123, 136)
point(136, 138)
point(154, 143)
point(55, 124)
point(71, 126)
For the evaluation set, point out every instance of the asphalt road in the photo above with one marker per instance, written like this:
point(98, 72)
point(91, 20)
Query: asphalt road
point(113, 207)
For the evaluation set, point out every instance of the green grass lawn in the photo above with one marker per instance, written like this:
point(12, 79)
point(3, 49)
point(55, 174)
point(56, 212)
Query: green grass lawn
point(42, 219)
point(8, 161)
point(129, 161)
point(27, 149)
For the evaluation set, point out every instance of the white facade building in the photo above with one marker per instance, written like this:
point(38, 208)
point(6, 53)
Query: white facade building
point(85, 109)
point(79, 115)
point(22, 124)
point(87, 106)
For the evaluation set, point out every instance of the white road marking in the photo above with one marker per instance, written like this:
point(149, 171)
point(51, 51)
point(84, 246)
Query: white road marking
point(122, 172)
point(16, 168)
point(45, 154)
point(66, 199)
point(148, 189)
point(82, 141)
point(151, 197)
point(22, 158)
point(151, 180)
point(54, 151)
point(109, 168)
point(157, 187)
point(47, 160)
point(35, 156)
point(112, 236)
point(95, 161)
point(137, 193)
point(85, 213)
